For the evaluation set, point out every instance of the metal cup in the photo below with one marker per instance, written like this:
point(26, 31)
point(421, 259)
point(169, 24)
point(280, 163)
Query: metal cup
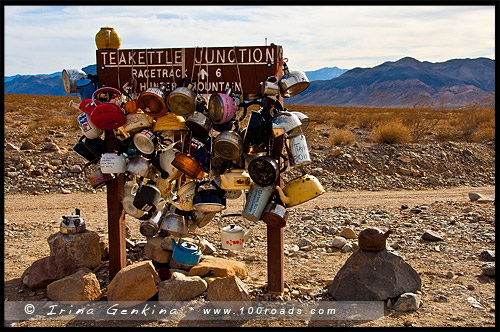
point(257, 199)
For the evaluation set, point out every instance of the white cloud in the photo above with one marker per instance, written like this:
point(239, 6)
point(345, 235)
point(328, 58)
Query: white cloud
point(46, 39)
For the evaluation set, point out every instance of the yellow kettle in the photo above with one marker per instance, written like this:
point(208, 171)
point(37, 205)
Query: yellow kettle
point(170, 123)
point(300, 190)
point(108, 38)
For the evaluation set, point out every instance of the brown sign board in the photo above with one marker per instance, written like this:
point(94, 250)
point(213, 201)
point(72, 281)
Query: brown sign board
point(210, 69)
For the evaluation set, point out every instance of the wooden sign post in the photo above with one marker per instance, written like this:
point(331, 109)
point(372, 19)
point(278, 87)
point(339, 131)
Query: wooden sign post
point(210, 70)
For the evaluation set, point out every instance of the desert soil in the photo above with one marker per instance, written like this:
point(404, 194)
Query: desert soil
point(366, 186)
point(30, 219)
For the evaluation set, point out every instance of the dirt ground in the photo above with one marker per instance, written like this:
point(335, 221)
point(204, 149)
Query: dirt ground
point(32, 218)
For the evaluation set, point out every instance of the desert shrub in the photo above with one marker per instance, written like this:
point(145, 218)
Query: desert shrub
point(471, 120)
point(343, 137)
point(393, 132)
point(341, 120)
point(368, 120)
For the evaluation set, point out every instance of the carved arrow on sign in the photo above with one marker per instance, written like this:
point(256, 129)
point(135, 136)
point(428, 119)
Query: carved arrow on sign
point(202, 73)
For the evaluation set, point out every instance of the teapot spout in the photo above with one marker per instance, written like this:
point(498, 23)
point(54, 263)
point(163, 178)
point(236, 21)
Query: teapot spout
point(285, 199)
point(386, 234)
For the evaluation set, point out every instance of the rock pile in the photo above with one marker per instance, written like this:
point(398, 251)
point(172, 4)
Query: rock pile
point(40, 168)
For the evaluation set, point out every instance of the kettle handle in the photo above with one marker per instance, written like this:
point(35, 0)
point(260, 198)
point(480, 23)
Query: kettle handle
point(285, 162)
point(199, 242)
point(199, 184)
point(246, 106)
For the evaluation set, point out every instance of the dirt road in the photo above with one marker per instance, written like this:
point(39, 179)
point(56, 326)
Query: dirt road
point(93, 206)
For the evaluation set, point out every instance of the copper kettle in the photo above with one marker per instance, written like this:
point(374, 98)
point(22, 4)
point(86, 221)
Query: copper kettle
point(372, 239)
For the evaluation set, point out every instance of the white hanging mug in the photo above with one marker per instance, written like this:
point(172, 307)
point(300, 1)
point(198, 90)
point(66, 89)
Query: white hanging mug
point(87, 127)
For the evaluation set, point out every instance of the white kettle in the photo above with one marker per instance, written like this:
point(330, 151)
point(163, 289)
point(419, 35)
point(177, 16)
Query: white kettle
point(233, 237)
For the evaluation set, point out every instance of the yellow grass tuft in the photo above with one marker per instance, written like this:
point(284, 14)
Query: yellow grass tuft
point(393, 132)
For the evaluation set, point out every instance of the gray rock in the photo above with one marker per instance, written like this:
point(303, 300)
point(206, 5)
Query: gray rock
point(339, 242)
point(11, 147)
point(207, 247)
point(431, 236)
point(75, 169)
point(488, 254)
point(50, 146)
point(408, 302)
point(347, 248)
point(181, 288)
point(488, 269)
point(27, 145)
point(318, 171)
point(305, 242)
point(441, 299)
point(474, 197)
point(374, 276)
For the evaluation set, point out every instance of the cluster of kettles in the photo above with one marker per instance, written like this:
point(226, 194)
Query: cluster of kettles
point(183, 154)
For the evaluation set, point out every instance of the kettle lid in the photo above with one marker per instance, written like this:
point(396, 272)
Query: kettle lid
point(232, 228)
point(188, 246)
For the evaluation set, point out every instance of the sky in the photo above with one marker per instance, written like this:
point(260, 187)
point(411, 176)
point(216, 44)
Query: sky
point(48, 39)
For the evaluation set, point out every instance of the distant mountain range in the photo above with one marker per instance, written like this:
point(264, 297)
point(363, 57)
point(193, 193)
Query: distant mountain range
point(453, 83)
point(326, 73)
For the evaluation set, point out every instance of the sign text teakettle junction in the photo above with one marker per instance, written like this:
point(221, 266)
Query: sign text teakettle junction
point(210, 69)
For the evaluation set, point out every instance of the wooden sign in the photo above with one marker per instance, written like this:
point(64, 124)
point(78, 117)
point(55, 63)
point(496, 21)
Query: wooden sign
point(210, 69)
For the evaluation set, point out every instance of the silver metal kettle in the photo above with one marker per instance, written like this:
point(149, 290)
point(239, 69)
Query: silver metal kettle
point(72, 223)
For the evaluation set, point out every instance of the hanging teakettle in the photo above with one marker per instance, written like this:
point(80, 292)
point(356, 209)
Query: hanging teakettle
point(221, 107)
point(300, 190)
point(265, 170)
point(152, 101)
point(209, 200)
point(293, 82)
point(182, 101)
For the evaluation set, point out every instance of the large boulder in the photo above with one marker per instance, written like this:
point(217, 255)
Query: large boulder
point(228, 292)
point(181, 288)
point(219, 267)
point(134, 284)
point(79, 286)
point(374, 276)
point(83, 248)
point(47, 270)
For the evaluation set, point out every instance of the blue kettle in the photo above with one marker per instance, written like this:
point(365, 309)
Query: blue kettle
point(186, 253)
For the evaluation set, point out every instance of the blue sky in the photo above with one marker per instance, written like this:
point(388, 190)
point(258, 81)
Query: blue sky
point(47, 39)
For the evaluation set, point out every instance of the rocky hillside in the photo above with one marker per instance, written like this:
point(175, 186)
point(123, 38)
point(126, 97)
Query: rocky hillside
point(53, 167)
